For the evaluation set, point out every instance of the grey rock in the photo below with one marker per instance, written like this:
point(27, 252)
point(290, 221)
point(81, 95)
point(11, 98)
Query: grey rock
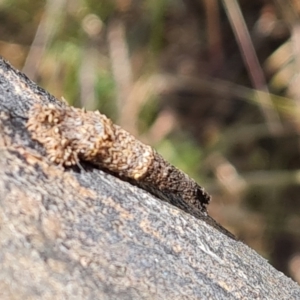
point(85, 234)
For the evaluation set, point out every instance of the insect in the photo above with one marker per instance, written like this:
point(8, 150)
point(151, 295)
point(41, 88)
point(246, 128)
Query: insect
point(70, 135)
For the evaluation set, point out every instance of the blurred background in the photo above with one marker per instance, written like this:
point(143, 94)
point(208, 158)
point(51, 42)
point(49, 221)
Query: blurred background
point(213, 85)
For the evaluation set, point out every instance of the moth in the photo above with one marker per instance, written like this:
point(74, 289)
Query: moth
point(70, 135)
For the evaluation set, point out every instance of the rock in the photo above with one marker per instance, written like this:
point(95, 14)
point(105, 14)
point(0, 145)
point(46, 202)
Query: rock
point(80, 233)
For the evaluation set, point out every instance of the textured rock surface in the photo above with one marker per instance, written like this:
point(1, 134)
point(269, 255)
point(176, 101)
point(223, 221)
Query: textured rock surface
point(84, 234)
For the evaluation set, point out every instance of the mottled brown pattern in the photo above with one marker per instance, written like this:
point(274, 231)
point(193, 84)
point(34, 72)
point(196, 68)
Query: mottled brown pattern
point(70, 135)
point(175, 184)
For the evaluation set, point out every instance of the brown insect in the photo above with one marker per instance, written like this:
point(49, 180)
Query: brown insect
point(70, 135)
